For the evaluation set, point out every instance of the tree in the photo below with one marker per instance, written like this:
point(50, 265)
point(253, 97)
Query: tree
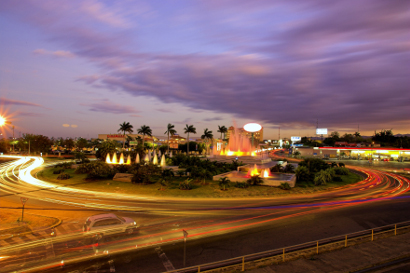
point(255, 180)
point(223, 130)
point(107, 147)
point(189, 129)
point(125, 127)
point(81, 143)
point(322, 177)
point(69, 143)
point(207, 136)
point(224, 182)
point(335, 135)
point(302, 173)
point(356, 134)
point(144, 130)
point(170, 130)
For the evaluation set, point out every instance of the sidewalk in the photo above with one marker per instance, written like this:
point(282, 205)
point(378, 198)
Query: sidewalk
point(348, 259)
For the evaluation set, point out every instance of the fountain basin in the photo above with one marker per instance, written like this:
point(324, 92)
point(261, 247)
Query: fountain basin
point(274, 180)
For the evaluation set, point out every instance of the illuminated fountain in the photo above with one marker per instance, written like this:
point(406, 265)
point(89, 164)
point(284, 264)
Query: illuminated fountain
point(137, 159)
point(155, 159)
point(115, 160)
point(163, 164)
point(262, 170)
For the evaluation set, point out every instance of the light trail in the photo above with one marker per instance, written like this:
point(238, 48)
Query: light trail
point(17, 177)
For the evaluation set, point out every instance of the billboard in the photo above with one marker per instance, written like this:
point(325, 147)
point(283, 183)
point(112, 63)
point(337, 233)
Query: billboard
point(295, 138)
point(321, 131)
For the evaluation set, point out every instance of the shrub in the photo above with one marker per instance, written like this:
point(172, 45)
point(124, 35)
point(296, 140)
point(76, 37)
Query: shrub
point(302, 173)
point(255, 180)
point(241, 185)
point(96, 169)
point(64, 176)
point(185, 185)
point(180, 173)
point(322, 177)
point(341, 164)
point(65, 165)
point(341, 171)
point(169, 161)
point(314, 164)
point(337, 179)
point(121, 168)
point(142, 178)
point(285, 186)
point(289, 168)
point(58, 171)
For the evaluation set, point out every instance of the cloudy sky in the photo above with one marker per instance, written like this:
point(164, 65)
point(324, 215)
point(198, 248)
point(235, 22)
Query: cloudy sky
point(81, 67)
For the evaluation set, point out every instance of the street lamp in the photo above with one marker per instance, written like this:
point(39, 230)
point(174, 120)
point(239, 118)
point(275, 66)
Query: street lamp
point(3, 121)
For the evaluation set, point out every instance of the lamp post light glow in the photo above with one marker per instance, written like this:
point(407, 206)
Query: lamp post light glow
point(252, 128)
point(3, 121)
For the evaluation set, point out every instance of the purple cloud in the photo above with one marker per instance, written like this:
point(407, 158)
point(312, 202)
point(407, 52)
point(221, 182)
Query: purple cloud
point(343, 62)
point(213, 119)
point(5, 101)
point(106, 106)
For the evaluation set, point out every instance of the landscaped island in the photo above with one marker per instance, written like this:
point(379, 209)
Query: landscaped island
point(193, 178)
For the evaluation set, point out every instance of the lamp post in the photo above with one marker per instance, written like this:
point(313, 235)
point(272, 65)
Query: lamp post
point(3, 121)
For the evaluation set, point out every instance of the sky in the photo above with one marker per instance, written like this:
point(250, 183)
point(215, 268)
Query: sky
point(79, 68)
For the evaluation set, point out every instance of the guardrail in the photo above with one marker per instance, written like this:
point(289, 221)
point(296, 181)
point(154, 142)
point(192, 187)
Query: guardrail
point(239, 263)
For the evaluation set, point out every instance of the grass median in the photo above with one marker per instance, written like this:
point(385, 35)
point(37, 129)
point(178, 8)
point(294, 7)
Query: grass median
point(209, 189)
point(11, 222)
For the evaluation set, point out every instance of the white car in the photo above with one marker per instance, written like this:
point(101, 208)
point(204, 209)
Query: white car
point(109, 224)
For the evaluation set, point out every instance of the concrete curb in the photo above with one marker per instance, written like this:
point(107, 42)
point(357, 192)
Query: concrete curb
point(380, 264)
point(7, 236)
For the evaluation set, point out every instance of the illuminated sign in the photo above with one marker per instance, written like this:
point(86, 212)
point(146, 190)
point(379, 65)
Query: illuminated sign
point(295, 138)
point(252, 127)
point(321, 131)
point(115, 136)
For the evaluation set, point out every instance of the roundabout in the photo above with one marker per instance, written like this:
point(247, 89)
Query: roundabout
point(210, 222)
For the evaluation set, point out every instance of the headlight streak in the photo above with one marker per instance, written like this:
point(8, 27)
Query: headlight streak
point(376, 187)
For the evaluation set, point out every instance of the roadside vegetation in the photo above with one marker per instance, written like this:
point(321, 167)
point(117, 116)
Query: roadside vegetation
point(194, 179)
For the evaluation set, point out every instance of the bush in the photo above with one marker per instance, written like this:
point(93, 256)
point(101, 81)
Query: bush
point(66, 165)
point(255, 180)
point(185, 185)
point(169, 162)
point(241, 185)
point(314, 164)
point(341, 171)
point(322, 178)
point(337, 179)
point(58, 171)
point(64, 176)
point(142, 178)
point(285, 186)
point(302, 173)
point(341, 164)
point(96, 169)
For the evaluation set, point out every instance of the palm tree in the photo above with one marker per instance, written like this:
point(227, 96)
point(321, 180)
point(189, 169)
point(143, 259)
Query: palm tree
point(356, 134)
point(170, 130)
point(223, 130)
point(125, 127)
point(207, 136)
point(224, 182)
point(189, 129)
point(144, 130)
point(255, 180)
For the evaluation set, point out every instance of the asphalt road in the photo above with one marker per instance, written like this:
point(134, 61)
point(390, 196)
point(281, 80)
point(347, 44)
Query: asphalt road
point(218, 229)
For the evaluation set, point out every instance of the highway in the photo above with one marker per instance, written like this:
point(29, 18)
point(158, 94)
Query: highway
point(217, 228)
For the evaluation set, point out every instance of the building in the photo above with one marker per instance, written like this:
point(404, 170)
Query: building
point(257, 135)
point(373, 153)
point(120, 137)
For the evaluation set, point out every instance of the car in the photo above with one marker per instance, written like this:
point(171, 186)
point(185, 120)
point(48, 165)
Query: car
point(109, 224)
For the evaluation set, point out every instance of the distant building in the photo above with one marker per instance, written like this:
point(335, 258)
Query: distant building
point(257, 135)
point(120, 137)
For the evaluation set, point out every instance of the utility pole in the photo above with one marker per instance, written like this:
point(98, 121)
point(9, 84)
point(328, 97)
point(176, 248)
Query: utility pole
point(13, 138)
